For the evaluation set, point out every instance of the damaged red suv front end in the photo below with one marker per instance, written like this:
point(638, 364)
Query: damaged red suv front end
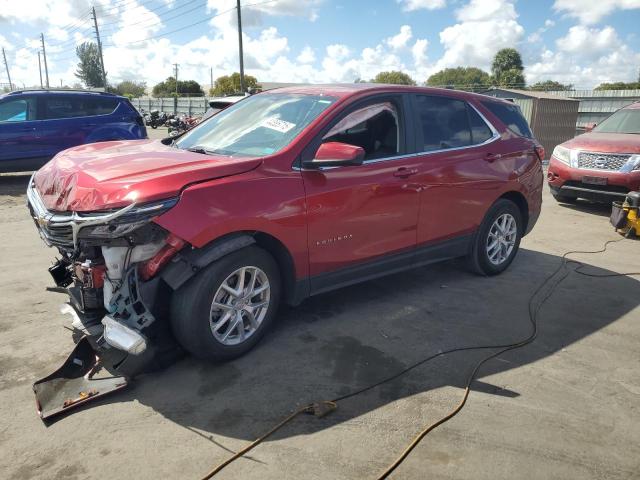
point(97, 204)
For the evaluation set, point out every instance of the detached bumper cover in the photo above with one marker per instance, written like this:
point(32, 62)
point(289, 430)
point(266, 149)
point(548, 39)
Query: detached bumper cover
point(75, 383)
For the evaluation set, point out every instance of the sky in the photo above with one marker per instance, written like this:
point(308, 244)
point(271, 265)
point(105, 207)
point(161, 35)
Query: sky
point(581, 42)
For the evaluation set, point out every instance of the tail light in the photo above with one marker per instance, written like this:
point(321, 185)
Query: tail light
point(540, 152)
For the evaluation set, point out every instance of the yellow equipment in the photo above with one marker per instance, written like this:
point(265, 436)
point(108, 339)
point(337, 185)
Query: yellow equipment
point(625, 216)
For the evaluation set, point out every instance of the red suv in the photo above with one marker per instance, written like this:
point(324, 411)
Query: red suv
point(284, 195)
point(599, 165)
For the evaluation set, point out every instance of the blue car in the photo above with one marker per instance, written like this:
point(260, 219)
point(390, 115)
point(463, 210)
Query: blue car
point(37, 124)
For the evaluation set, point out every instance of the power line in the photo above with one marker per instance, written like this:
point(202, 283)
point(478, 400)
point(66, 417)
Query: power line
point(157, 12)
point(162, 35)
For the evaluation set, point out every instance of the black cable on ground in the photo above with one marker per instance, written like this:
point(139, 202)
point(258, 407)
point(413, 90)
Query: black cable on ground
point(325, 407)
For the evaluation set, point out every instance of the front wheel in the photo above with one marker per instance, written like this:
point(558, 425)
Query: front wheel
point(226, 309)
point(497, 240)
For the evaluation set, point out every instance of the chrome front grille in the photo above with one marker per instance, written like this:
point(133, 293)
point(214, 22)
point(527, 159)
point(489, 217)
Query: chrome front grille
point(60, 229)
point(59, 235)
point(602, 161)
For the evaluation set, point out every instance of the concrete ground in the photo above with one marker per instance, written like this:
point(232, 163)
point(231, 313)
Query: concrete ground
point(565, 407)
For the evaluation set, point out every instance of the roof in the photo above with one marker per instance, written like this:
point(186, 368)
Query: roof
point(341, 90)
point(531, 94)
point(59, 90)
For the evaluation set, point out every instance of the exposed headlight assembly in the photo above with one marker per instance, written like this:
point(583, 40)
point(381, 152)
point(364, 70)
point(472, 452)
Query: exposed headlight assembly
point(131, 218)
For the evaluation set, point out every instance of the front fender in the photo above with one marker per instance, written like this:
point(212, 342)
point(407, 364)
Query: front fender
point(190, 261)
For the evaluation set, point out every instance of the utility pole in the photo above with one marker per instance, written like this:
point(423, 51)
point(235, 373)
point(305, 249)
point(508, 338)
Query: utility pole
point(6, 65)
point(211, 77)
point(175, 99)
point(44, 54)
point(95, 25)
point(40, 69)
point(240, 46)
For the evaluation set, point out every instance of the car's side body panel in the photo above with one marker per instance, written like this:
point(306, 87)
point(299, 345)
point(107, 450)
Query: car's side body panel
point(343, 223)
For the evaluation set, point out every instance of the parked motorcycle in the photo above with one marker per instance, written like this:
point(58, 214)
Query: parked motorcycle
point(181, 124)
point(156, 119)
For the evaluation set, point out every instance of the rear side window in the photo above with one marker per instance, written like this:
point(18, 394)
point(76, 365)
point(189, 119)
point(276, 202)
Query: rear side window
point(444, 123)
point(448, 123)
point(69, 106)
point(511, 116)
point(18, 110)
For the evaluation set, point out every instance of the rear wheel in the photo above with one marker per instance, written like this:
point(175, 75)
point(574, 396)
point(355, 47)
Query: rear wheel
point(226, 309)
point(497, 240)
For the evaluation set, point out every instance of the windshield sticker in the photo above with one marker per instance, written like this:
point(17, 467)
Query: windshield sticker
point(278, 125)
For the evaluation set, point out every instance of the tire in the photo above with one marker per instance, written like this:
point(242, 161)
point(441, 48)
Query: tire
point(193, 315)
point(480, 261)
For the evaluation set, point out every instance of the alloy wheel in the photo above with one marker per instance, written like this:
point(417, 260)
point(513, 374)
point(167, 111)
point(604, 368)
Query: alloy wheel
point(502, 238)
point(240, 305)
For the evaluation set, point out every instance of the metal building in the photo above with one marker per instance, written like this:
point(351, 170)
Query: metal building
point(596, 105)
point(552, 118)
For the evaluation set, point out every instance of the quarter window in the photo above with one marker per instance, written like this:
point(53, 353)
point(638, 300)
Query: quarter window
point(375, 128)
point(511, 116)
point(19, 110)
point(480, 131)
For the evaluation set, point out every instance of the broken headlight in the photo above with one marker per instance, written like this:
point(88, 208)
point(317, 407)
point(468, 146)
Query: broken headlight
point(128, 222)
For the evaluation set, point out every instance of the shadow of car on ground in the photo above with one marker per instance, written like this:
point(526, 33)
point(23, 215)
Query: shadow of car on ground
point(341, 341)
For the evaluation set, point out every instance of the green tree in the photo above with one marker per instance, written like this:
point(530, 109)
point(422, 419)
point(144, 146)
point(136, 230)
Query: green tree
point(461, 78)
point(89, 71)
point(507, 68)
point(618, 86)
point(394, 77)
point(230, 84)
point(186, 88)
point(549, 85)
point(131, 88)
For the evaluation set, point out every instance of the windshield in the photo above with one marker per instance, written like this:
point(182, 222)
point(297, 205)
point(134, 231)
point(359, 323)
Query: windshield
point(259, 125)
point(623, 121)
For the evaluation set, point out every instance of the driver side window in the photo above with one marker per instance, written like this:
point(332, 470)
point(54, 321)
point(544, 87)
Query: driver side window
point(375, 128)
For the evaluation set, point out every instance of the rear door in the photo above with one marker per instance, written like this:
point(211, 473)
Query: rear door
point(70, 119)
point(357, 214)
point(459, 168)
point(17, 128)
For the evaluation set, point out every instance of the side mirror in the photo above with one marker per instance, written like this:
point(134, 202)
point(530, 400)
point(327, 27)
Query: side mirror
point(336, 154)
point(589, 126)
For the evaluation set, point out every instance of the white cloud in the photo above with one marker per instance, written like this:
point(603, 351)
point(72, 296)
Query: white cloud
point(338, 52)
point(411, 5)
point(537, 36)
point(592, 11)
point(419, 52)
point(400, 40)
point(307, 55)
point(589, 42)
point(619, 65)
point(485, 26)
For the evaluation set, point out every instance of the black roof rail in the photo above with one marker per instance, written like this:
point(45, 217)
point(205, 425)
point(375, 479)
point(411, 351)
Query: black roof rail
point(78, 90)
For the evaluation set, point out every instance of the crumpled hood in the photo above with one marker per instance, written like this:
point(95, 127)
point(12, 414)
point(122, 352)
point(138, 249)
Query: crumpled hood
point(606, 142)
point(107, 175)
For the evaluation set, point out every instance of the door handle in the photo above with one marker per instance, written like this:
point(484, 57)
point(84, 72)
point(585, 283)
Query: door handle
point(492, 157)
point(404, 172)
